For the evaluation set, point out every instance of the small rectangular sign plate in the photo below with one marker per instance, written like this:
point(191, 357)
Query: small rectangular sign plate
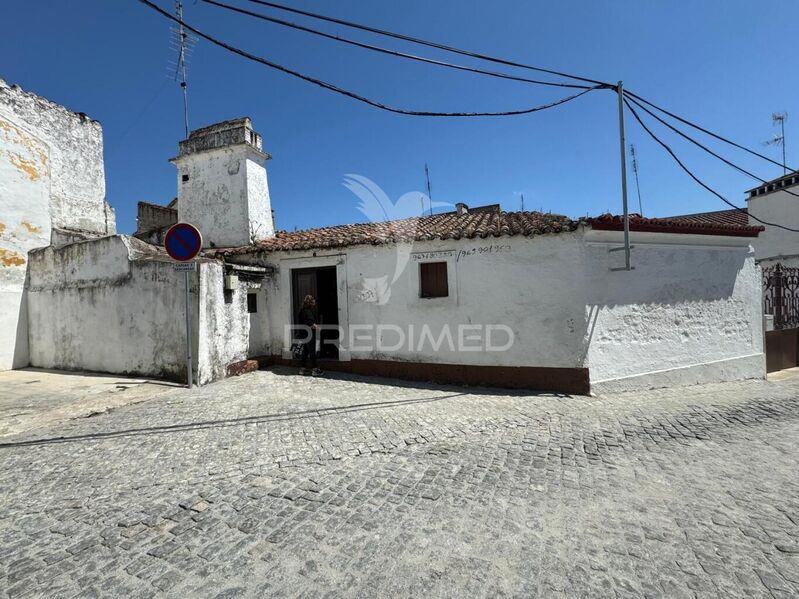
point(184, 266)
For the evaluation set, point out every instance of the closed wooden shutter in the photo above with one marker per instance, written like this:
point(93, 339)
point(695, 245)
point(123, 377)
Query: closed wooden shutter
point(433, 277)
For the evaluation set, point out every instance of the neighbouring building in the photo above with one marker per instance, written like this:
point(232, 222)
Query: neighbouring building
point(777, 252)
point(475, 296)
point(52, 191)
point(776, 202)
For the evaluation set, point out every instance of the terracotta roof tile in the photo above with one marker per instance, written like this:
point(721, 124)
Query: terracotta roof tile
point(439, 226)
point(734, 223)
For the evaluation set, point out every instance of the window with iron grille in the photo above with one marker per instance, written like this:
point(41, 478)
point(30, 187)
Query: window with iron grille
point(252, 303)
point(433, 279)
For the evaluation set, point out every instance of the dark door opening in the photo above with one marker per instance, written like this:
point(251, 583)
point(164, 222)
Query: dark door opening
point(322, 284)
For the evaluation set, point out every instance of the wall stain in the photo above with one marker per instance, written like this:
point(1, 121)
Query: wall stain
point(11, 258)
point(18, 136)
point(26, 166)
point(31, 228)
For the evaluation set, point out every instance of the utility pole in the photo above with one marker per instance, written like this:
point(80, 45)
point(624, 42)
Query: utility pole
point(183, 43)
point(622, 147)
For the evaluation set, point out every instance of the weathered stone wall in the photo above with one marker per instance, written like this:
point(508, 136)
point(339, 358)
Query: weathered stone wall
point(151, 217)
point(52, 188)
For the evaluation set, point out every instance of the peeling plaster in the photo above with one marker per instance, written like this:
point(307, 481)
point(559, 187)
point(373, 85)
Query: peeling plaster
point(11, 258)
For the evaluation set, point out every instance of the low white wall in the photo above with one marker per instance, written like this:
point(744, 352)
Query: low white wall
point(102, 306)
point(113, 305)
point(689, 312)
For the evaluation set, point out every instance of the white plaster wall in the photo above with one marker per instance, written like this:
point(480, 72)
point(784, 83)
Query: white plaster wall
point(104, 306)
point(226, 196)
point(532, 285)
point(51, 177)
point(685, 314)
point(224, 326)
point(74, 160)
point(261, 223)
point(24, 225)
point(776, 207)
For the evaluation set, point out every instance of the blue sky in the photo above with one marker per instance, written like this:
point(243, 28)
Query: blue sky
point(726, 65)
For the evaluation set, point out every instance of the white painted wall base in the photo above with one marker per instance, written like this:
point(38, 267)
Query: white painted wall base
point(731, 369)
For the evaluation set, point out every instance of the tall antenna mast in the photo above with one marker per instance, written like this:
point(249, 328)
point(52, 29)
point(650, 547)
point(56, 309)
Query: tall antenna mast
point(429, 189)
point(522, 202)
point(779, 118)
point(637, 184)
point(183, 43)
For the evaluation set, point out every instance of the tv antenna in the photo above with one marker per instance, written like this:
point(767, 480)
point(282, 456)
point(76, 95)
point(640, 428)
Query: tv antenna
point(637, 184)
point(429, 189)
point(183, 43)
point(778, 119)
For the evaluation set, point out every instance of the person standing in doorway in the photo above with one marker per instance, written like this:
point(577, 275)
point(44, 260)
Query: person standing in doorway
point(308, 317)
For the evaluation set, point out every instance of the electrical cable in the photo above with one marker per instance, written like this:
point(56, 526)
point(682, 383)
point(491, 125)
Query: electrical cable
point(353, 95)
point(389, 51)
point(706, 149)
point(696, 179)
point(703, 130)
point(430, 44)
point(480, 56)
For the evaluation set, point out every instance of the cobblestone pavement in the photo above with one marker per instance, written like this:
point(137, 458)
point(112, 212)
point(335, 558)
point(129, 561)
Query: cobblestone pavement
point(277, 485)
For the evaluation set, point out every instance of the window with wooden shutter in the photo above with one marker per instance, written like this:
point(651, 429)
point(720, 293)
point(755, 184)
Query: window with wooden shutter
point(433, 279)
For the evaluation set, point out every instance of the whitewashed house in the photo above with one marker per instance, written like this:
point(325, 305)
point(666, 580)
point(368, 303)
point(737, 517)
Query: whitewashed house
point(482, 296)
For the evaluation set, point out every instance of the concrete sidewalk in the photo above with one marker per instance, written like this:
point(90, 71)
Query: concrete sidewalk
point(32, 398)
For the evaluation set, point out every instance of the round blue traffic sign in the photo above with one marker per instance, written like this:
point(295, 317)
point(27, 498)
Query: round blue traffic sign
point(183, 242)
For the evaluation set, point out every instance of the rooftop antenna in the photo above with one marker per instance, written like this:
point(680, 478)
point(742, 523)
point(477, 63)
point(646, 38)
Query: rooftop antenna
point(779, 118)
point(183, 43)
point(429, 189)
point(637, 184)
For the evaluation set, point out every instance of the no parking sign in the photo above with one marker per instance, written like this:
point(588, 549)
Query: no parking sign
point(183, 242)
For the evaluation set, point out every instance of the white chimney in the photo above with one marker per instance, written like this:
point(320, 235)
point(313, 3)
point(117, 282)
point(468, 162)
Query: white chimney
point(222, 185)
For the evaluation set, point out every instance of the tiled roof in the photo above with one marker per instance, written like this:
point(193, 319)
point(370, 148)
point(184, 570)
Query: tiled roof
point(719, 217)
point(734, 223)
point(493, 224)
point(424, 228)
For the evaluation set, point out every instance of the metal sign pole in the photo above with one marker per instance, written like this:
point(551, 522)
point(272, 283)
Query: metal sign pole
point(188, 333)
point(624, 179)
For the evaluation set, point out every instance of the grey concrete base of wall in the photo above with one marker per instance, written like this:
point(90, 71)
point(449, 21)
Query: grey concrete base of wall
point(733, 369)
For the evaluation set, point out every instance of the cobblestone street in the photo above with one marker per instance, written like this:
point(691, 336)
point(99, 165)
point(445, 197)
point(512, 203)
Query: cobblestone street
point(273, 484)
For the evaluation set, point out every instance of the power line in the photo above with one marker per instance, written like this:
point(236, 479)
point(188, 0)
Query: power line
point(422, 42)
point(353, 95)
point(706, 149)
point(389, 51)
point(480, 56)
point(702, 129)
point(695, 178)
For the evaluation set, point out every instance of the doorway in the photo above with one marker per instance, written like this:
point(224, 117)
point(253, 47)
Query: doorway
point(322, 284)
